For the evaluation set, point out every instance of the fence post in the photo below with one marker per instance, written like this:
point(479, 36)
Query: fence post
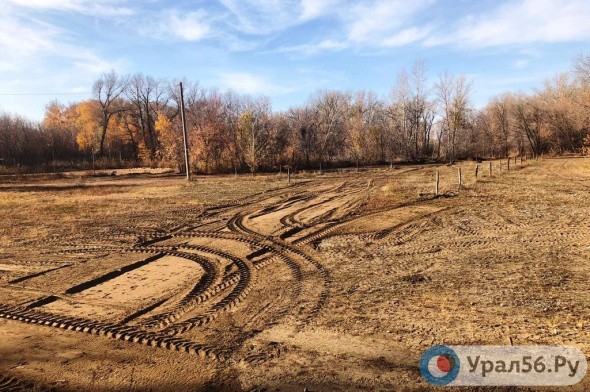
point(184, 134)
point(500, 167)
point(289, 174)
point(490, 168)
point(476, 171)
point(437, 183)
point(508, 167)
point(460, 178)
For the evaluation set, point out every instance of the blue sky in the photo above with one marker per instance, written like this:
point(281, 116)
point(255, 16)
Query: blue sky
point(283, 49)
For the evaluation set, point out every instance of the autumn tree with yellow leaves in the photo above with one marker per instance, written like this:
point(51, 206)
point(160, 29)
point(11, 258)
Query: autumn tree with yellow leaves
point(170, 142)
point(87, 120)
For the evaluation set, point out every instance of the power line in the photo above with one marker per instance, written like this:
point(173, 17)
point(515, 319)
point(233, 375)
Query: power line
point(41, 94)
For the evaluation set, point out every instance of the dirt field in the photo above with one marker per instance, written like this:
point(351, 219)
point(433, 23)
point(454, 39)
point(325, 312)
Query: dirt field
point(337, 281)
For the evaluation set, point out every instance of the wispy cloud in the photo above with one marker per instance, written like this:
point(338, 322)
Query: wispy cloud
point(407, 36)
point(260, 17)
point(396, 23)
point(313, 48)
point(192, 26)
point(521, 22)
point(34, 36)
point(249, 83)
point(372, 21)
point(311, 9)
point(263, 17)
point(89, 7)
point(368, 23)
point(38, 40)
point(39, 57)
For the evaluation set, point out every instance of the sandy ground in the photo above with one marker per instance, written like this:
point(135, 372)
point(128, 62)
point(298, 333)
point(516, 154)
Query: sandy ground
point(336, 281)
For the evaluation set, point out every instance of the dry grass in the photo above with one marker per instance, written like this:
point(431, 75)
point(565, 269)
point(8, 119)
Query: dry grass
point(503, 259)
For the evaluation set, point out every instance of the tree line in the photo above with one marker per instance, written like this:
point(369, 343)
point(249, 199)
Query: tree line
point(135, 120)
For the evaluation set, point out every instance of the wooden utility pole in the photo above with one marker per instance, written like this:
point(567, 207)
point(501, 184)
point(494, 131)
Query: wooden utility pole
point(185, 137)
point(254, 147)
point(436, 189)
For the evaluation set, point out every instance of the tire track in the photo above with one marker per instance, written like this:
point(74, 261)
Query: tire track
point(245, 277)
point(236, 224)
point(13, 384)
point(113, 331)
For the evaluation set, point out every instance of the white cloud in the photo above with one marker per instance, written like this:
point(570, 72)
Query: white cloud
point(522, 63)
point(394, 23)
point(90, 7)
point(370, 22)
point(249, 83)
point(313, 48)
point(192, 27)
point(311, 9)
point(522, 22)
point(19, 38)
point(27, 42)
point(261, 17)
point(407, 36)
point(38, 57)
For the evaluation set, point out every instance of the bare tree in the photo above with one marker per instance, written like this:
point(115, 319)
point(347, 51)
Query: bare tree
point(529, 120)
point(21, 141)
point(500, 114)
point(564, 112)
point(421, 110)
point(147, 96)
point(302, 136)
point(330, 108)
point(399, 113)
point(582, 67)
point(107, 89)
point(253, 132)
point(453, 94)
